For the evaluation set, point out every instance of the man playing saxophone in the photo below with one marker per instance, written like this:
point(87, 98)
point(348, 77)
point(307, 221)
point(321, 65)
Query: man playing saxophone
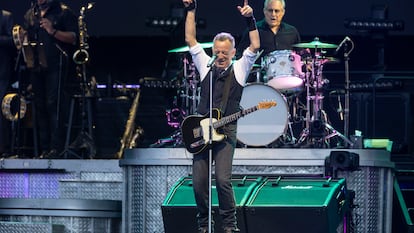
point(51, 30)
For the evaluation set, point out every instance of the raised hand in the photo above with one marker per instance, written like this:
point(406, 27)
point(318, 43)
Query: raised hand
point(190, 4)
point(245, 10)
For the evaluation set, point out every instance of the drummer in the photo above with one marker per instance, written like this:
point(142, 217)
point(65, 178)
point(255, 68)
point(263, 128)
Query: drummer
point(275, 34)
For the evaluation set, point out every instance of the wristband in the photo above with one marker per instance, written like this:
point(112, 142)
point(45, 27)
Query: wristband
point(251, 23)
point(54, 32)
point(192, 6)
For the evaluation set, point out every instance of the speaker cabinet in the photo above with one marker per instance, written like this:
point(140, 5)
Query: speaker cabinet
point(111, 116)
point(179, 208)
point(296, 205)
point(383, 115)
point(403, 203)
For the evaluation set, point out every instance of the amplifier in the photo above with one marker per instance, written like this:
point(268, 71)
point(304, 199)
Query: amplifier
point(179, 208)
point(286, 205)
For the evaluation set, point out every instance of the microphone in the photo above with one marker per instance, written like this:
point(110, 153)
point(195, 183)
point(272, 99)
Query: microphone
point(342, 43)
point(212, 60)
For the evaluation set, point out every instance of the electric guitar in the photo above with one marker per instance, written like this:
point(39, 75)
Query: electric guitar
point(195, 129)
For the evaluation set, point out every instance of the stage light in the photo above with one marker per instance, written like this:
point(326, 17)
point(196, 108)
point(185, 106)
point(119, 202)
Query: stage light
point(374, 24)
point(169, 22)
point(162, 22)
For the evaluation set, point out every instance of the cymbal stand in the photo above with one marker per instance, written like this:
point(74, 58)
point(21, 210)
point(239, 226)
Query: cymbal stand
point(318, 130)
point(305, 132)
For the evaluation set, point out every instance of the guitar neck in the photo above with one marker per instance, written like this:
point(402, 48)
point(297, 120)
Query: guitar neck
point(225, 120)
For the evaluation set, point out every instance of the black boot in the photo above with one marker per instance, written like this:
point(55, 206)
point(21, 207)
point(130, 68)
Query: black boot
point(205, 230)
point(231, 230)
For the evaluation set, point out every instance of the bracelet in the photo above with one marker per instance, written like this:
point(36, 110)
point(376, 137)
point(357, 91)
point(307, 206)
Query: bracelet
point(251, 23)
point(54, 32)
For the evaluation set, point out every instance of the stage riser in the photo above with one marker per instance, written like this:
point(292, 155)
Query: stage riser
point(13, 227)
point(151, 173)
point(17, 224)
point(60, 196)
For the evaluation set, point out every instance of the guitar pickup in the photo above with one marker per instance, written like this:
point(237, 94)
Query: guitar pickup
point(197, 143)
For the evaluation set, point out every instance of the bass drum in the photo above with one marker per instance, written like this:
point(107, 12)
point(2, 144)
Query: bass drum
point(265, 125)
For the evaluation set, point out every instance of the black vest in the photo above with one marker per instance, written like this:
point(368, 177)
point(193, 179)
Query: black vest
point(219, 80)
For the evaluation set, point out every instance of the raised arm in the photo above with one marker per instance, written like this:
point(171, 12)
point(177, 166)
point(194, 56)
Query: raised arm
point(247, 12)
point(190, 22)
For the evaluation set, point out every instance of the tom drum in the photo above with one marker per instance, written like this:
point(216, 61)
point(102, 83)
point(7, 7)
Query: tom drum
point(283, 70)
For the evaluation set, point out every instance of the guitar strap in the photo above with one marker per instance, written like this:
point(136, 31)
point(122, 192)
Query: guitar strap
point(225, 97)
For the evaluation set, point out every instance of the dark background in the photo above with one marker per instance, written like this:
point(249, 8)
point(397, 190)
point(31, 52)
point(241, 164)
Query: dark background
point(124, 49)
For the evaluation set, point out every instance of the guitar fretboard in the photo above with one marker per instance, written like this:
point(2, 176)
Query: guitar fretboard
point(233, 117)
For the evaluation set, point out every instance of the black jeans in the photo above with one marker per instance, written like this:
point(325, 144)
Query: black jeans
point(223, 157)
point(47, 86)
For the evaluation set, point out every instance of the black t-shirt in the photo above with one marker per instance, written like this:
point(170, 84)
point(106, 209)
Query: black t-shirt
point(63, 19)
point(269, 41)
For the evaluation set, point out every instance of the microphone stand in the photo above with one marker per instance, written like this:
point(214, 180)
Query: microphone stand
point(61, 75)
point(347, 82)
point(346, 110)
point(210, 151)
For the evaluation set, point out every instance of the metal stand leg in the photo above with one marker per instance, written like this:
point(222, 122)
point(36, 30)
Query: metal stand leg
point(84, 140)
point(317, 132)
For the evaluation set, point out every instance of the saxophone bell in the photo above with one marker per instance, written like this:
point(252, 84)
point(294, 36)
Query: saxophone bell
point(81, 56)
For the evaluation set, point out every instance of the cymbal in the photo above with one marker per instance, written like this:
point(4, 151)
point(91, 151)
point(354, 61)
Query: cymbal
point(316, 44)
point(186, 48)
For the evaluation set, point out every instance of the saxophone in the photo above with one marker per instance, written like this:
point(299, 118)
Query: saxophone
point(81, 56)
point(132, 132)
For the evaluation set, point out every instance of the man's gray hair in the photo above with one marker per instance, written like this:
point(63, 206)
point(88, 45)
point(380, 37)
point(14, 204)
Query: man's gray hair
point(266, 2)
point(223, 36)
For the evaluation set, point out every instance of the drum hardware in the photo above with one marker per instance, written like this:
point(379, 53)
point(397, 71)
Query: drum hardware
point(256, 73)
point(175, 116)
point(190, 92)
point(189, 95)
point(317, 131)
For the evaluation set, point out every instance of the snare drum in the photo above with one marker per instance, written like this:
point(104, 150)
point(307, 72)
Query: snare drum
point(266, 125)
point(283, 70)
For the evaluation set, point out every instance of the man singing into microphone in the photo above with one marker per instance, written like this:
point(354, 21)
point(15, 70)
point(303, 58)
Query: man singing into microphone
point(53, 28)
point(228, 78)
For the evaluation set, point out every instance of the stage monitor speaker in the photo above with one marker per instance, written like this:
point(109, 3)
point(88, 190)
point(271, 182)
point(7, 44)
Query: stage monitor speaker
point(179, 208)
point(299, 205)
point(403, 206)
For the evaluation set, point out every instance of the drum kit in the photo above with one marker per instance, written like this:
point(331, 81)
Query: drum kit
point(284, 76)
